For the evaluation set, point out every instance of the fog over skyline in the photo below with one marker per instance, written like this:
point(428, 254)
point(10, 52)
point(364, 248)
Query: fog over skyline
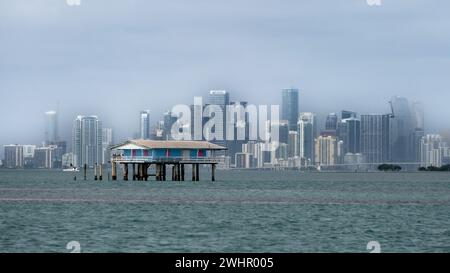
point(114, 58)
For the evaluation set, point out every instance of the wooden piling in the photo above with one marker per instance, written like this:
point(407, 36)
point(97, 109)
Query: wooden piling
point(140, 171)
point(95, 172)
point(134, 171)
point(113, 171)
point(101, 172)
point(85, 171)
point(213, 172)
point(197, 172)
point(182, 172)
point(164, 172)
point(193, 172)
point(146, 172)
point(125, 172)
point(175, 174)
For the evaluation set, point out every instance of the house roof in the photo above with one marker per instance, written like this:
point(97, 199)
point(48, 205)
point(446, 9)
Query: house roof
point(168, 144)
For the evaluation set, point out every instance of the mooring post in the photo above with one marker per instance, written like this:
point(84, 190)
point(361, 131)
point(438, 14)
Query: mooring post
point(143, 171)
point(85, 171)
point(101, 172)
point(197, 172)
point(213, 172)
point(146, 172)
point(95, 172)
point(164, 172)
point(182, 172)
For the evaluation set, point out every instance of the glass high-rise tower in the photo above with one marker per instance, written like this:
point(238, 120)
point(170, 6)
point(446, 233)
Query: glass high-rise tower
point(144, 124)
point(289, 107)
point(375, 138)
point(51, 127)
point(87, 140)
point(350, 134)
point(307, 132)
point(402, 131)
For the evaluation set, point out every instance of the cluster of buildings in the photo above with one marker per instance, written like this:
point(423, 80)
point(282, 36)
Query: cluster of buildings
point(90, 145)
point(344, 140)
point(48, 155)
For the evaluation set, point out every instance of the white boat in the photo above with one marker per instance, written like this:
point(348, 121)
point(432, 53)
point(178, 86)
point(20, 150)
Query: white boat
point(72, 169)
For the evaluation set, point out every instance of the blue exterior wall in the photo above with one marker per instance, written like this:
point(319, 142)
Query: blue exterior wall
point(194, 153)
point(162, 153)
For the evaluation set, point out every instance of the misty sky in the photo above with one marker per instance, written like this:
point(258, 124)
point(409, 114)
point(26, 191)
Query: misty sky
point(114, 58)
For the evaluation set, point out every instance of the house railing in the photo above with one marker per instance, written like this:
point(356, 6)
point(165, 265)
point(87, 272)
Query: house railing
point(181, 159)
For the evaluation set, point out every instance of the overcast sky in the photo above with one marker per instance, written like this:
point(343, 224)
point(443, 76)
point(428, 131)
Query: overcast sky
point(113, 58)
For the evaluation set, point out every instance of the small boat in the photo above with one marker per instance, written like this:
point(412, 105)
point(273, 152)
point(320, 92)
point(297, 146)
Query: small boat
point(71, 169)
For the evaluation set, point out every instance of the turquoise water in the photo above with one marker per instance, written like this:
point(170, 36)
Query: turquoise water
point(244, 211)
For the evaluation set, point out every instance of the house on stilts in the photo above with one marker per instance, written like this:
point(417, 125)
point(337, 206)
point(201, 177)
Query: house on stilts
point(141, 154)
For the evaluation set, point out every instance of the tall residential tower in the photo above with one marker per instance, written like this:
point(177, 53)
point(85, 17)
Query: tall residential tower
point(144, 124)
point(51, 127)
point(289, 107)
point(87, 140)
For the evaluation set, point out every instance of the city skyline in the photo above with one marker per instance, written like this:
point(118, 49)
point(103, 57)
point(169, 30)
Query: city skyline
point(52, 119)
point(348, 139)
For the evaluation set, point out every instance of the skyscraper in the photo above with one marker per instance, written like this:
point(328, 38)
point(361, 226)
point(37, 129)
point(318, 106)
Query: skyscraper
point(331, 123)
point(51, 127)
point(326, 150)
point(307, 132)
point(107, 141)
point(419, 129)
point(402, 131)
point(169, 120)
point(13, 156)
point(283, 127)
point(220, 98)
point(345, 114)
point(289, 107)
point(432, 151)
point(87, 140)
point(238, 132)
point(350, 134)
point(293, 144)
point(144, 124)
point(375, 140)
point(44, 157)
